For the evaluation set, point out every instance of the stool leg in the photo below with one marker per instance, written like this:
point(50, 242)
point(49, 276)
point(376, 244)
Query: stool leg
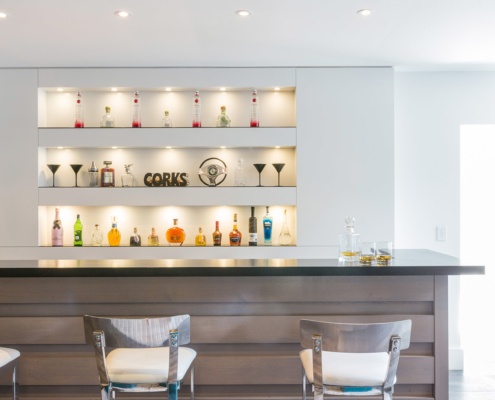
point(304, 384)
point(105, 392)
point(172, 391)
point(15, 385)
point(192, 382)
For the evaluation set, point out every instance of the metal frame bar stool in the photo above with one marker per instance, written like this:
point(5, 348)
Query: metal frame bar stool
point(9, 363)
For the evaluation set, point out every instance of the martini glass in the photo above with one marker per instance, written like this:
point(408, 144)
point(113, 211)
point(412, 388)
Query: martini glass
point(53, 168)
point(279, 168)
point(76, 168)
point(259, 168)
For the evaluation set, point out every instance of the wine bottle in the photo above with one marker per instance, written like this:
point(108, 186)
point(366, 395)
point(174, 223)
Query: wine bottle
point(253, 229)
point(78, 228)
point(57, 230)
point(217, 235)
point(235, 236)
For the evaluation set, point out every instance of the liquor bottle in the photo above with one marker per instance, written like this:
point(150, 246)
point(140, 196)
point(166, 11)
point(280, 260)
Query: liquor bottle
point(235, 236)
point(284, 239)
point(78, 228)
point(175, 235)
point(223, 120)
point(57, 230)
point(196, 122)
point(93, 175)
point(114, 234)
point(255, 110)
point(253, 229)
point(127, 178)
point(239, 174)
point(97, 236)
point(217, 235)
point(107, 121)
point(166, 120)
point(107, 175)
point(135, 239)
point(79, 122)
point(267, 228)
point(349, 242)
point(153, 239)
point(136, 111)
point(200, 238)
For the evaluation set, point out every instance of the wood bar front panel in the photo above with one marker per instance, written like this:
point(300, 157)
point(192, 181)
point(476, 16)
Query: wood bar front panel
point(245, 329)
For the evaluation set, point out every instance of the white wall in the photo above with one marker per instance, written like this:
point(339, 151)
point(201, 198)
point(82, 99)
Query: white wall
point(429, 109)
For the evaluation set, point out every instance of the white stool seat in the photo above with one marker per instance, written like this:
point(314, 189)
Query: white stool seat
point(7, 355)
point(339, 369)
point(147, 365)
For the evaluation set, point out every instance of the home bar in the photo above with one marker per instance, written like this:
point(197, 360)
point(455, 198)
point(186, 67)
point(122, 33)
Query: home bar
point(332, 129)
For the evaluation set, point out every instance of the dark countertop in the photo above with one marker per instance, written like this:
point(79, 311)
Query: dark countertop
point(406, 262)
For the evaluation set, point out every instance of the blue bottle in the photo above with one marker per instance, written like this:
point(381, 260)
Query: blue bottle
point(267, 228)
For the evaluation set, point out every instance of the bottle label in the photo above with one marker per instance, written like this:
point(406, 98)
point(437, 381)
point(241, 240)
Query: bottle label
point(107, 177)
point(267, 228)
point(235, 239)
point(253, 238)
point(217, 240)
point(77, 236)
point(93, 178)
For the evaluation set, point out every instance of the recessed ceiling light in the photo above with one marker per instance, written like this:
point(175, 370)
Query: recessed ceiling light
point(222, 89)
point(365, 12)
point(243, 13)
point(114, 89)
point(277, 89)
point(60, 89)
point(168, 147)
point(60, 148)
point(4, 15)
point(223, 147)
point(168, 89)
point(123, 13)
point(114, 147)
point(277, 147)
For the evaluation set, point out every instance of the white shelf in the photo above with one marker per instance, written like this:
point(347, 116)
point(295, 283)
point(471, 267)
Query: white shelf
point(167, 196)
point(162, 137)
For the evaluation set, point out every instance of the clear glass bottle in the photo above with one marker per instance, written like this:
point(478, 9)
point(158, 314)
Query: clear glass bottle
point(285, 239)
point(196, 120)
point(114, 234)
point(93, 175)
point(217, 235)
point(267, 228)
point(57, 230)
point(253, 229)
point(79, 111)
point(107, 175)
point(235, 236)
point(107, 121)
point(97, 236)
point(239, 173)
point(223, 120)
point(135, 239)
point(200, 239)
point(166, 120)
point(153, 239)
point(136, 111)
point(255, 110)
point(349, 242)
point(127, 178)
point(175, 235)
point(78, 229)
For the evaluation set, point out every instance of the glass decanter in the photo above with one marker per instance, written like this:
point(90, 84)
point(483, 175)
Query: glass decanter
point(107, 121)
point(239, 173)
point(166, 120)
point(97, 236)
point(127, 178)
point(223, 120)
point(349, 242)
point(175, 235)
point(284, 239)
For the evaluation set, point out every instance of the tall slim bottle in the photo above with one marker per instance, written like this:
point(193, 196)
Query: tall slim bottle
point(267, 228)
point(253, 229)
point(235, 236)
point(114, 234)
point(136, 111)
point(196, 122)
point(255, 110)
point(57, 230)
point(79, 122)
point(78, 230)
point(217, 235)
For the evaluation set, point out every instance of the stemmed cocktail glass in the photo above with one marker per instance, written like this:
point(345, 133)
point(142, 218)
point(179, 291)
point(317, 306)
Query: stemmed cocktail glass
point(278, 167)
point(53, 168)
point(76, 168)
point(259, 168)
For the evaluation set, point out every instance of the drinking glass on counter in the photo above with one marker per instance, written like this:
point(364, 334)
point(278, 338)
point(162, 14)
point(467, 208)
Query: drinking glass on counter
point(368, 253)
point(384, 253)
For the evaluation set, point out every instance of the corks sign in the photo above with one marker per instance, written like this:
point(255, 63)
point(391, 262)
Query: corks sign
point(166, 179)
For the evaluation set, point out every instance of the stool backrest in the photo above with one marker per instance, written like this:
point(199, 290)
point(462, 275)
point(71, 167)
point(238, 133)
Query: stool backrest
point(137, 332)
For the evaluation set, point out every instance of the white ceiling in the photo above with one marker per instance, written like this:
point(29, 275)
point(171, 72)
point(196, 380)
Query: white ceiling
point(416, 34)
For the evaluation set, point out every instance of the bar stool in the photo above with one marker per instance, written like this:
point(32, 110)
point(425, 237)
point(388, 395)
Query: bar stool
point(352, 359)
point(9, 363)
point(141, 354)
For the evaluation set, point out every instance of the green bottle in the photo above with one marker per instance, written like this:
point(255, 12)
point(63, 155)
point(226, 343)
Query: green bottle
point(78, 228)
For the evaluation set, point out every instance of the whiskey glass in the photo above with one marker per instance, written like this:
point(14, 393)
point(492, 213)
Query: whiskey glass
point(368, 253)
point(384, 253)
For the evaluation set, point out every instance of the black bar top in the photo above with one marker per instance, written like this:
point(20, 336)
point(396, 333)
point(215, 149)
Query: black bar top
point(405, 262)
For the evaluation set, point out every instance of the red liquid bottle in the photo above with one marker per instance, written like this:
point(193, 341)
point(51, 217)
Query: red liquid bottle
point(196, 122)
point(79, 122)
point(255, 110)
point(136, 111)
